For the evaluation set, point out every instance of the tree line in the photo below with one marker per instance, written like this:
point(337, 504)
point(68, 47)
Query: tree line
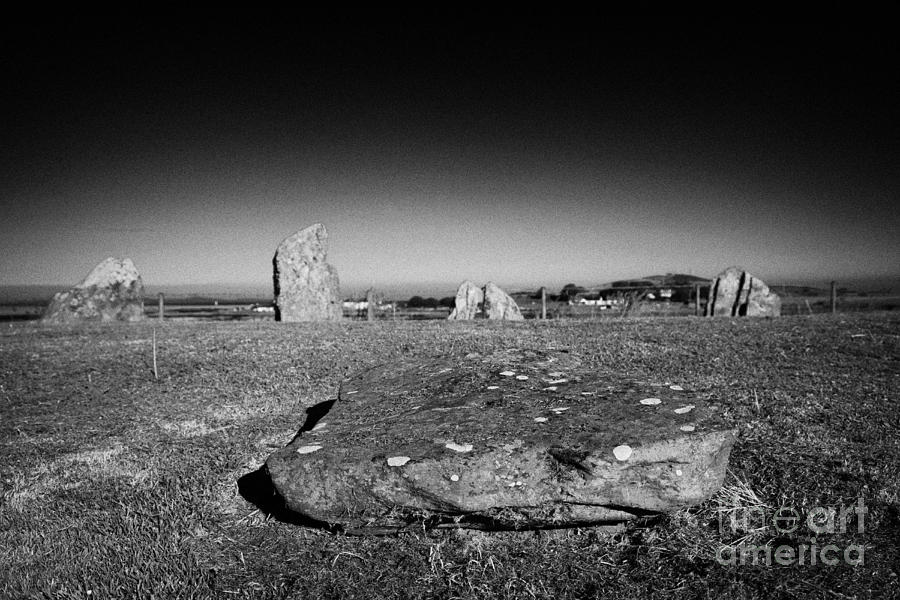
point(420, 302)
point(568, 291)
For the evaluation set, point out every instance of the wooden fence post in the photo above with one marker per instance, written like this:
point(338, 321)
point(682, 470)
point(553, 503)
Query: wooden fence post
point(833, 297)
point(544, 303)
point(696, 299)
point(162, 306)
point(370, 305)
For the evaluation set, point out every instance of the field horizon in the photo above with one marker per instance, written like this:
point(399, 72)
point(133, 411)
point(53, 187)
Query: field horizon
point(24, 293)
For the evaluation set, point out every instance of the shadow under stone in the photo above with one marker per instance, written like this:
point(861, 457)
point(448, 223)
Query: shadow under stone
point(257, 487)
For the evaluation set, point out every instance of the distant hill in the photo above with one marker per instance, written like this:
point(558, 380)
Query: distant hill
point(677, 279)
point(798, 290)
point(667, 280)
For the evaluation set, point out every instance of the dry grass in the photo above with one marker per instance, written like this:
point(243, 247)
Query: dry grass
point(124, 485)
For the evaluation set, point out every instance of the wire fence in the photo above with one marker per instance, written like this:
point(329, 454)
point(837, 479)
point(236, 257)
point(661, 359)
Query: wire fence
point(686, 301)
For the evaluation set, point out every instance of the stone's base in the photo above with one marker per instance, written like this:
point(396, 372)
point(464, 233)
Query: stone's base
point(93, 304)
point(514, 440)
point(463, 527)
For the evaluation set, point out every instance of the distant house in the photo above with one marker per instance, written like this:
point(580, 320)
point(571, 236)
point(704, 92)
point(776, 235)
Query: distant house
point(262, 308)
point(356, 305)
point(363, 305)
point(595, 302)
point(596, 299)
point(660, 294)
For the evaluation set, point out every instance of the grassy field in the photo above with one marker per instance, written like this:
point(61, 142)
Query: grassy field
point(118, 484)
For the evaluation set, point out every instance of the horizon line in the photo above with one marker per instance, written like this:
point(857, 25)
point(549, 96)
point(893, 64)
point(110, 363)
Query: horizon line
point(787, 280)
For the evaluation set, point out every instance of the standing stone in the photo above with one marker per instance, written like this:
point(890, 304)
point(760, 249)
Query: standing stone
point(511, 439)
point(468, 298)
point(500, 305)
point(113, 291)
point(737, 293)
point(306, 287)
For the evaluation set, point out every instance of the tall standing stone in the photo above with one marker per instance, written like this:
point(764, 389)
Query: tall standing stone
point(737, 293)
point(468, 300)
point(112, 291)
point(500, 305)
point(306, 287)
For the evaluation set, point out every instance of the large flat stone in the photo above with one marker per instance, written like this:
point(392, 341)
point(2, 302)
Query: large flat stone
point(511, 440)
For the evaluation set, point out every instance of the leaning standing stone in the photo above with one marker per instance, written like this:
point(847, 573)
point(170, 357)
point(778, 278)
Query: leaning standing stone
point(306, 287)
point(500, 305)
point(113, 291)
point(468, 300)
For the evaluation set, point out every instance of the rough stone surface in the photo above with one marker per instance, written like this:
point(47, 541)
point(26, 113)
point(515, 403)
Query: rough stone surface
point(462, 443)
point(500, 305)
point(112, 291)
point(468, 300)
point(306, 287)
point(737, 293)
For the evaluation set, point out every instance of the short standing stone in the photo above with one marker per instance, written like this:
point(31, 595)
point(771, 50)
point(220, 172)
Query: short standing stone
point(608, 459)
point(500, 305)
point(113, 291)
point(306, 287)
point(737, 293)
point(467, 303)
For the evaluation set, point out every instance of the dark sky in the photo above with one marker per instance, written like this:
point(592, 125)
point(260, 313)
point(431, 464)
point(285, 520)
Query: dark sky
point(435, 150)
